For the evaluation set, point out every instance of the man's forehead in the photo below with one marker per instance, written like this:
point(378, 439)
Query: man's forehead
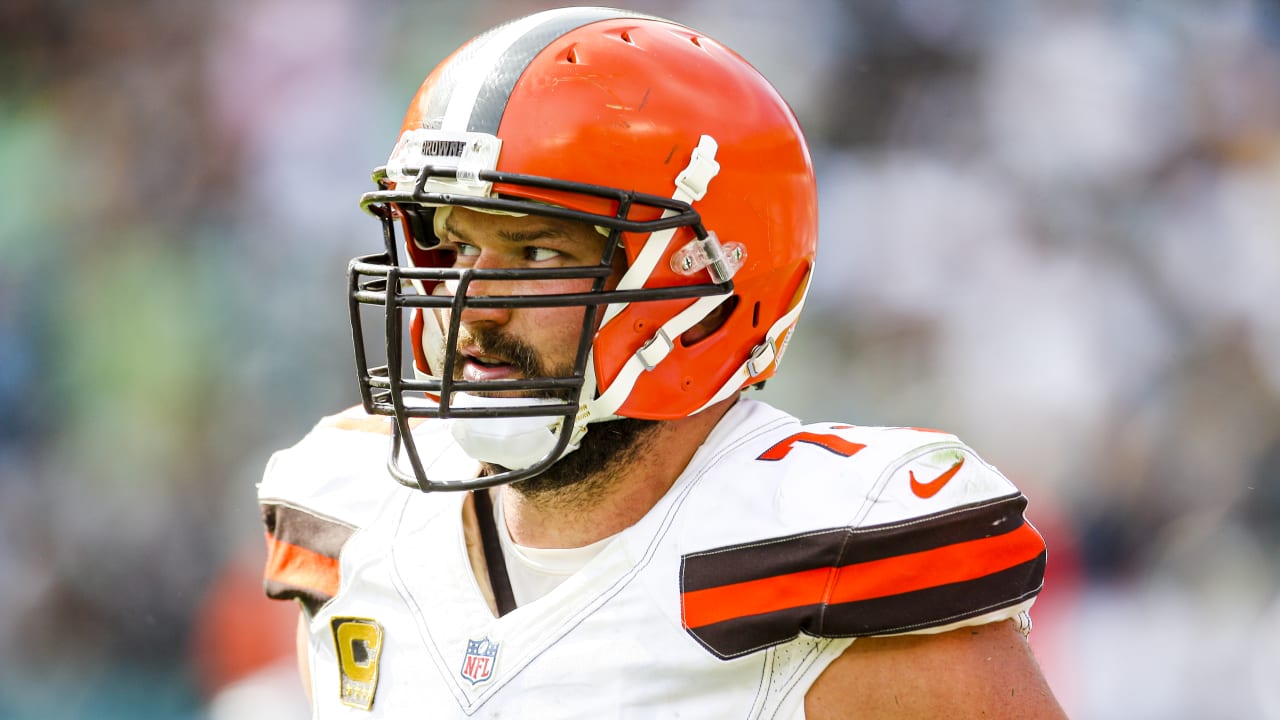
point(468, 223)
point(465, 221)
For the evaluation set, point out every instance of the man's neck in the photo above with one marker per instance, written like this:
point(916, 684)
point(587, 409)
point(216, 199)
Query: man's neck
point(620, 494)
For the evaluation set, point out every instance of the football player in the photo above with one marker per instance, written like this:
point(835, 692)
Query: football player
point(599, 228)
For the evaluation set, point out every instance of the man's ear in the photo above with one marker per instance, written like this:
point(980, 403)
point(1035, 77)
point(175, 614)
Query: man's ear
point(711, 323)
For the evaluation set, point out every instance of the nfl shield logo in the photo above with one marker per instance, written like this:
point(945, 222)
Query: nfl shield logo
point(478, 664)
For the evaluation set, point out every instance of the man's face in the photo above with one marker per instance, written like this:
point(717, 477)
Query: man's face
point(506, 343)
point(511, 343)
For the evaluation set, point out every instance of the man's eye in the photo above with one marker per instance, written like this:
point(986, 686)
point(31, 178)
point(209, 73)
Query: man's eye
point(465, 250)
point(537, 254)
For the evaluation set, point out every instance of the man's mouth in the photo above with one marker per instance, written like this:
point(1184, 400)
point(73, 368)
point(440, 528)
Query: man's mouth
point(480, 366)
point(498, 358)
point(486, 360)
point(477, 363)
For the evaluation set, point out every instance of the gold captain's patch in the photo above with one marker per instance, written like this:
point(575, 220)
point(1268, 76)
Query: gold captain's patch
point(359, 644)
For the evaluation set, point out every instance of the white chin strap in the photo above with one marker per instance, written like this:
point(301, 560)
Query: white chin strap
point(512, 442)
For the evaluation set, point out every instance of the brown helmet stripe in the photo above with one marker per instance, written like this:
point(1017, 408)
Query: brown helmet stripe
point(474, 87)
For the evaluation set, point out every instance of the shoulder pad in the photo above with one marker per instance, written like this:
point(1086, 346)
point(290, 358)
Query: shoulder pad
point(338, 470)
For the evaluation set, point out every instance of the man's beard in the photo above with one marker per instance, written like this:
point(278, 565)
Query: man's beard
point(605, 449)
point(579, 478)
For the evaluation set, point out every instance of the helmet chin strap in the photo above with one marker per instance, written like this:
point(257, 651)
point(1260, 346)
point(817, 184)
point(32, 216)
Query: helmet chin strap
point(519, 442)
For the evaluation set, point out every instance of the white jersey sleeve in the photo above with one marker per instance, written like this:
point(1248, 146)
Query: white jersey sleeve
point(838, 531)
point(314, 496)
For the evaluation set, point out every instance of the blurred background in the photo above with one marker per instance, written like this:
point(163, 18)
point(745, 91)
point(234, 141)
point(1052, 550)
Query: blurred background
point(1052, 227)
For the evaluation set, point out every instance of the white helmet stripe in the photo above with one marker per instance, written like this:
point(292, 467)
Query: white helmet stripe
point(702, 168)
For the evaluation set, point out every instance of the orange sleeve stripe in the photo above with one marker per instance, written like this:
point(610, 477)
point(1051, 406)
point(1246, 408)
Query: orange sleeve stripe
point(863, 581)
point(297, 566)
point(703, 607)
point(943, 566)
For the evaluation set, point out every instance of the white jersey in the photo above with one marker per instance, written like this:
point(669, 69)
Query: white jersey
point(778, 546)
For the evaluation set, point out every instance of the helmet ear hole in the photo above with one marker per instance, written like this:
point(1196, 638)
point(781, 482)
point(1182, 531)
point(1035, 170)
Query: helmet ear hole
point(711, 323)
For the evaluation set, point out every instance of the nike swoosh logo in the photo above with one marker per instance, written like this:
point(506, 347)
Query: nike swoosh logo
point(927, 490)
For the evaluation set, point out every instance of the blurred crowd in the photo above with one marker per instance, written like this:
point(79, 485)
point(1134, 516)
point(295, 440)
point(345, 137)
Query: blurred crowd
point(1052, 227)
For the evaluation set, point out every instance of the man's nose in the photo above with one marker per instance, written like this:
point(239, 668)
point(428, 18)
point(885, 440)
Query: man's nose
point(482, 287)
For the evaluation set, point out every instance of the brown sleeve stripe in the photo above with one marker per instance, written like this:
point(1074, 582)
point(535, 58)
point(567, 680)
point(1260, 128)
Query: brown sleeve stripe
point(932, 607)
point(863, 581)
point(294, 571)
point(302, 554)
point(304, 529)
point(847, 546)
point(848, 582)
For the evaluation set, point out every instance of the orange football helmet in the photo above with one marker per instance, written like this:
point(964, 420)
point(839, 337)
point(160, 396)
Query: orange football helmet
point(662, 138)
